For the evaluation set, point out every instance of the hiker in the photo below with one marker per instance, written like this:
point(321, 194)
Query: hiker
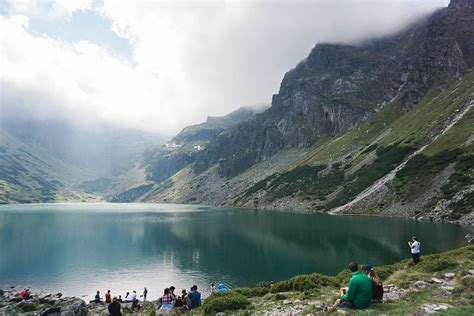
point(415, 249)
point(359, 291)
point(114, 307)
point(145, 292)
point(107, 297)
point(377, 287)
point(120, 299)
point(222, 289)
point(213, 288)
point(25, 294)
point(194, 297)
point(271, 284)
point(166, 301)
point(125, 299)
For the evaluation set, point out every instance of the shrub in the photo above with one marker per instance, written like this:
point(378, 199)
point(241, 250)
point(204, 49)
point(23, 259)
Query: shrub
point(305, 282)
point(220, 302)
point(252, 291)
point(384, 272)
point(436, 264)
point(468, 282)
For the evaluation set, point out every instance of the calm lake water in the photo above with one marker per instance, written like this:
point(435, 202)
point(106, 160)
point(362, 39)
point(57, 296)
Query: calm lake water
point(77, 249)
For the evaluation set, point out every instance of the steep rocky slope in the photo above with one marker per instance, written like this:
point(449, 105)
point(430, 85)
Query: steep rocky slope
point(338, 86)
point(181, 151)
point(380, 128)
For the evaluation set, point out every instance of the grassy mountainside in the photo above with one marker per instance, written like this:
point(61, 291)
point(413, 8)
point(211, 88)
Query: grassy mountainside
point(28, 174)
point(336, 172)
point(415, 163)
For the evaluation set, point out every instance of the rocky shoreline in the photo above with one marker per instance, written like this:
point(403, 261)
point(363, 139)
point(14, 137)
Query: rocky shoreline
point(55, 304)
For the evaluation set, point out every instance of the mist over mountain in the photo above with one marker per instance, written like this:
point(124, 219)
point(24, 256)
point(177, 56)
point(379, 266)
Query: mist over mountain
point(48, 160)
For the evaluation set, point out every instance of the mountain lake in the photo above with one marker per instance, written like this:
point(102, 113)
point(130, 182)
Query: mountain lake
point(77, 249)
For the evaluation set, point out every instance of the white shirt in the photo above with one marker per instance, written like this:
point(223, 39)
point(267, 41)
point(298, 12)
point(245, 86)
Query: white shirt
point(415, 247)
point(131, 297)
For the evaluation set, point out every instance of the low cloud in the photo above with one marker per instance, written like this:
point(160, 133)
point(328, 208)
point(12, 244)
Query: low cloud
point(190, 59)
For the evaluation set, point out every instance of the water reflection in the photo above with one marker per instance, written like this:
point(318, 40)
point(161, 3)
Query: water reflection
point(78, 249)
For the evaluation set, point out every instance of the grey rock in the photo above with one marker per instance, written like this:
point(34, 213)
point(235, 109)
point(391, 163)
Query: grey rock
point(449, 275)
point(448, 288)
point(420, 284)
point(436, 280)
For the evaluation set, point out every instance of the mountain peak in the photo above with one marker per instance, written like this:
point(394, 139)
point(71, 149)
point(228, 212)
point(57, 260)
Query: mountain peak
point(461, 4)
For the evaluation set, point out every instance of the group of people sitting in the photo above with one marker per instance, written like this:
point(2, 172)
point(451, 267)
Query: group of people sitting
point(115, 304)
point(129, 297)
point(169, 300)
point(187, 300)
point(363, 289)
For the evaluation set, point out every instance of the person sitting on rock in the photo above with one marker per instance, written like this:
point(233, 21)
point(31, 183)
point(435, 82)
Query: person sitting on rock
point(166, 300)
point(107, 297)
point(25, 294)
point(131, 297)
point(172, 288)
point(181, 299)
point(194, 297)
point(359, 291)
point(377, 287)
point(114, 308)
point(97, 297)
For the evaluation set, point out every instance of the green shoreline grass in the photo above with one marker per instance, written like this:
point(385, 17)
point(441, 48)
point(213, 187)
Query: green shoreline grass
point(318, 288)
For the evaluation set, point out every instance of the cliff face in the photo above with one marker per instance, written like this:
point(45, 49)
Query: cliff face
point(188, 144)
point(338, 86)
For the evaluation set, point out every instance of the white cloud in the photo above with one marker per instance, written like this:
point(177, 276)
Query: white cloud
point(190, 60)
point(66, 8)
point(23, 6)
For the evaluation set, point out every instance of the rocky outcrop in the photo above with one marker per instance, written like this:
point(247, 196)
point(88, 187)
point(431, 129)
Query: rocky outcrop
point(184, 148)
point(338, 86)
point(38, 303)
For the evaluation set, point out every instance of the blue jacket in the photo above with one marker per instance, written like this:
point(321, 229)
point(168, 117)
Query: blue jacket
point(194, 299)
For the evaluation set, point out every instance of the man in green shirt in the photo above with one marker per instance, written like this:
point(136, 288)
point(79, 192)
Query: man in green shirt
point(359, 291)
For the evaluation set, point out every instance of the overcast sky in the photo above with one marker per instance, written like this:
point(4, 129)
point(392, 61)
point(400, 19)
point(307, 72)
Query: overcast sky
point(160, 66)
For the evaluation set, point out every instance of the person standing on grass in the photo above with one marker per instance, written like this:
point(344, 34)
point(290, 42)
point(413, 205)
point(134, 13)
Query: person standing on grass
point(415, 249)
